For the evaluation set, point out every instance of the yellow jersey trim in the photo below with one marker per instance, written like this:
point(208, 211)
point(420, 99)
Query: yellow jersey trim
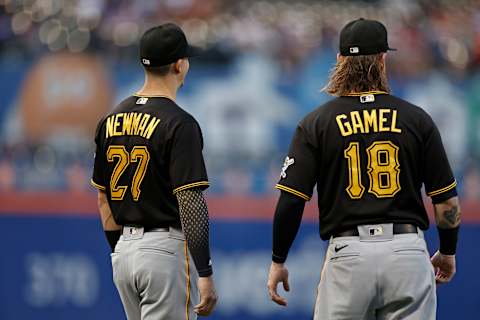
point(357, 94)
point(96, 185)
point(293, 191)
point(187, 270)
point(151, 96)
point(439, 191)
point(191, 185)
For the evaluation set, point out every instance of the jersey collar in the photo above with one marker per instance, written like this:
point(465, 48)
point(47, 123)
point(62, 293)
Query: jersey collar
point(357, 94)
point(151, 96)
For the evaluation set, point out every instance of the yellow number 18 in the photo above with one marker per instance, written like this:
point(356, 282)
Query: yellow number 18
point(383, 169)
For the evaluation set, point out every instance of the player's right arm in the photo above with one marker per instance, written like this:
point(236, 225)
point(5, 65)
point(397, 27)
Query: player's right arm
point(447, 216)
point(189, 178)
point(195, 225)
point(440, 185)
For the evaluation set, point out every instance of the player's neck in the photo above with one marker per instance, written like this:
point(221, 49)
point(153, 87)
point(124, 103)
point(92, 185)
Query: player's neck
point(156, 86)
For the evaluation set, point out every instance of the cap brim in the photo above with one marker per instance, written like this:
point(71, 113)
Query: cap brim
point(391, 49)
point(193, 51)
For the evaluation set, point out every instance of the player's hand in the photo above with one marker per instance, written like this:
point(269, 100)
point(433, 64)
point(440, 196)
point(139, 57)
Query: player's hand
point(278, 273)
point(208, 296)
point(444, 266)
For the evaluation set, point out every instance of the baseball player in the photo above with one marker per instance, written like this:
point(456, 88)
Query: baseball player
point(150, 174)
point(368, 153)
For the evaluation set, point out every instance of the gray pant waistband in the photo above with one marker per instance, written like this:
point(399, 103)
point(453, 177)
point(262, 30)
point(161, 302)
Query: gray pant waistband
point(379, 232)
point(136, 232)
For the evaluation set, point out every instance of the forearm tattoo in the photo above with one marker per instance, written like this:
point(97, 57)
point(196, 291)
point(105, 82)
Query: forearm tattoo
point(195, 225)
point(449, 218)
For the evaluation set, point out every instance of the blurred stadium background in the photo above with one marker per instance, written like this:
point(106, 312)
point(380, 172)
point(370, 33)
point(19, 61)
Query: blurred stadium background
point(64, 63)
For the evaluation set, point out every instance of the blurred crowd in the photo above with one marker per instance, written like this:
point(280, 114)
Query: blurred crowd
point(438, 60)
point(430, 34)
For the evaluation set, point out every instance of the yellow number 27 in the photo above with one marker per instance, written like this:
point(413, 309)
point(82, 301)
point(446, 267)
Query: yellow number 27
point(139, 154)
point(383, 169)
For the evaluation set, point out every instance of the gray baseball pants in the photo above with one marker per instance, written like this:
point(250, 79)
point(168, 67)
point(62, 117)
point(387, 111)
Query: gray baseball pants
point(377, 275)
point(154, 275)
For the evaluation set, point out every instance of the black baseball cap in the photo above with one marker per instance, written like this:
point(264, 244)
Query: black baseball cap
point(165, 44)
point(363, 37)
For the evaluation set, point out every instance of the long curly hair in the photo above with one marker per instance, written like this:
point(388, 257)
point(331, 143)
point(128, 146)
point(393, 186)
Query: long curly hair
point(354, 74)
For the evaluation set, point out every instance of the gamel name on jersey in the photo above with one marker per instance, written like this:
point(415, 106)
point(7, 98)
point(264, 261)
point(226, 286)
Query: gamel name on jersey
point(366, 121)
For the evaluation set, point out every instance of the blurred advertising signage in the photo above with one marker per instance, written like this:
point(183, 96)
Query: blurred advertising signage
point(61, 279)
point(64, 94)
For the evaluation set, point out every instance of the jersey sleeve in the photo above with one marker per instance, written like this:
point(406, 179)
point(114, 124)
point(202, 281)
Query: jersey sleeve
point(187, 166)
point(440, 184)
point(98, 177)
point(299, 171)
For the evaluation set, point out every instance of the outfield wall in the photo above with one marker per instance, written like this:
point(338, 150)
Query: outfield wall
point(55, 265)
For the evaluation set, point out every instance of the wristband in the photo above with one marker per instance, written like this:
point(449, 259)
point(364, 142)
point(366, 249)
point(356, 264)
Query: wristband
point(448, 240)
point(205, 272)
point(278, 259)
point(112, 237)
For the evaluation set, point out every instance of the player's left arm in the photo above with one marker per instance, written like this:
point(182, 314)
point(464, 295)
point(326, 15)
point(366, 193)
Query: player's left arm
point(110, 227)
point(298, 177)
point(286, 222)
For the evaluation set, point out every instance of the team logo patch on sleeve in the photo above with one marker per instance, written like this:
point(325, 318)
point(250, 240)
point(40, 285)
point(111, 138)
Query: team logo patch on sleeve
point(288, 162)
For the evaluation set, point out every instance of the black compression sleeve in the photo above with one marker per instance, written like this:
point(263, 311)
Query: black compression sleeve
point(112, 237)
point(286, 222)
point(195, 225)
point(448, 240)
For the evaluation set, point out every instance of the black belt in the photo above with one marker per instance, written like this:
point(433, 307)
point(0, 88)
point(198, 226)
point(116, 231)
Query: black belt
point(398, 228)
point(149, 228)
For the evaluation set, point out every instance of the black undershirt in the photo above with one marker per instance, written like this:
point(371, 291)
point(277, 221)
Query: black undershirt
point(195, 225)
point(286, 223)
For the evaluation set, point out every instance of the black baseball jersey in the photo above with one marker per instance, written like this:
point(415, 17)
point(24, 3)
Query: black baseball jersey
point(368, 154)
point(147, 149)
